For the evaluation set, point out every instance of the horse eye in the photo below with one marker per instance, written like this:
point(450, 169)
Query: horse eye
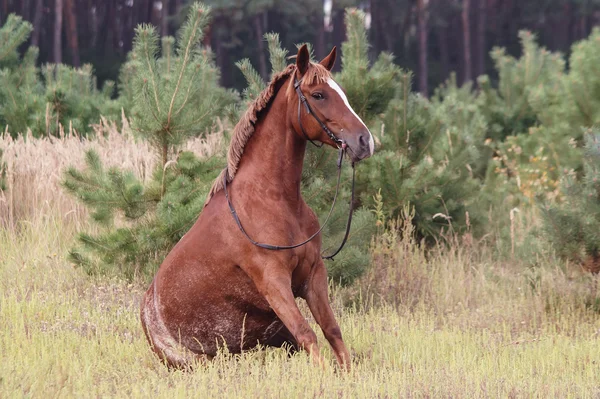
point(317, 96)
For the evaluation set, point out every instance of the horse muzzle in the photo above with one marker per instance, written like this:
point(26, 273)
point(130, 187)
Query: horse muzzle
point(360, 146)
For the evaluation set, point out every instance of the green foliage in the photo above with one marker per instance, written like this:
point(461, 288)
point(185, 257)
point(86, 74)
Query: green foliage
point(14, 33)
point(72, 98)
point(537, 117)
point(44, 99)
point(514, 105)
point(140, 222)
point(428, 151)
point(572, 225)
point(174, 97)
point(278, 55)
point(517, 137)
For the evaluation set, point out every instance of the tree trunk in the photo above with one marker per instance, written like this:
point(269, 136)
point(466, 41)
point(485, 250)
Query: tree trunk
point(423, 31)
point(583, 25)
point(37, 23)
point(207, 40)
point(92, 25)
point(376, 27)
point(107, 23)
point(156, 15)
point(58, 14)
point(4, 11)
point(320, 51)
point(25, 10)
point(258, 30)
point(442, 34)
point(339, 31)
point(406, 27)
point(481, 30)
point(221, 57)
point(127, 27)
point(466, 40)
point(71, 20)
point(164, 18)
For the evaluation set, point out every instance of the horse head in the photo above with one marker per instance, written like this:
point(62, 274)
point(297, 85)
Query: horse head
point(323, 112)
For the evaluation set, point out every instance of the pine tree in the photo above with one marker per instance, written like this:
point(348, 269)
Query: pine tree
point(14, 33)
point(164, 88)
point(571, 226)
point(19, 84)
point(515, 104)
point(174, 97)
point(583, 82)
point(42, 100)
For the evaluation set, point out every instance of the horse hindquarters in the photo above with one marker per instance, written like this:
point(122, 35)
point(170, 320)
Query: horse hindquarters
point(168, 349)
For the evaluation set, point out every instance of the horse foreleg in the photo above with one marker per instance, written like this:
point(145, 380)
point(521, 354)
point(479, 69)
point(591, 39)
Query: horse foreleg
point(275, 285)
point(318, 302)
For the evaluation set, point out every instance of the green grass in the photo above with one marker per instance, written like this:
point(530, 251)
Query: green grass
point(476, 330)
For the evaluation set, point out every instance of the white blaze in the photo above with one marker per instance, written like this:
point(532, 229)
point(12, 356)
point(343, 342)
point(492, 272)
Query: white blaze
point(339, 91)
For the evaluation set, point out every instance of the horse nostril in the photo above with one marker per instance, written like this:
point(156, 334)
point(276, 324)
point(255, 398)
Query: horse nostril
point(362, 140)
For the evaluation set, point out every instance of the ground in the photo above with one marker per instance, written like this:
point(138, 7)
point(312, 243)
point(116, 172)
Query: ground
point(65, 334)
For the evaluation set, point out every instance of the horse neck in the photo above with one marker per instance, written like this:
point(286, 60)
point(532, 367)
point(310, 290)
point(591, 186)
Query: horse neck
point(274, 155)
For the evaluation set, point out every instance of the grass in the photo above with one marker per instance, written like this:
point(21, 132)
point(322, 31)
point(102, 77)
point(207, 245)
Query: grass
point(449, 322)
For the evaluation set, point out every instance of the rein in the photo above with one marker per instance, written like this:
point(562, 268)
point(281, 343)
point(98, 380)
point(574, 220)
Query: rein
point(342, 149)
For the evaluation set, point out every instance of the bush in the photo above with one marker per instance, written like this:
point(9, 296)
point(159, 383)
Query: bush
point(428, 152)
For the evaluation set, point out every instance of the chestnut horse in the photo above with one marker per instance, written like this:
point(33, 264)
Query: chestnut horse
point(216, 288)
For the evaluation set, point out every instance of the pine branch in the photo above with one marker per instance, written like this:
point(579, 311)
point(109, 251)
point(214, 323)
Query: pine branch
point(278, 55)
point(199, 16)
point(255, 82)
point(14, 32)
point(146, 34)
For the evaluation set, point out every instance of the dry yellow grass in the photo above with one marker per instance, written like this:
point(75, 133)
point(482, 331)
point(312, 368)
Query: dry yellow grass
point(444, 323)
point(35, 166)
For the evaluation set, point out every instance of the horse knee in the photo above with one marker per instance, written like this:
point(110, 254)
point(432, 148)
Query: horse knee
point(333, 333)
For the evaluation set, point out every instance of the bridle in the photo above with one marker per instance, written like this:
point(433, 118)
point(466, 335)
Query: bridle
point(342, 149)
point(302, 100)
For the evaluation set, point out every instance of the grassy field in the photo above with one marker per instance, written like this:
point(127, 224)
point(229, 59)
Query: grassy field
point(452, 322)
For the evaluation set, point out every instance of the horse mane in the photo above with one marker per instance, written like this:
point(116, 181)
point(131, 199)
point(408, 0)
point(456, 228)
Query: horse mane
point(243, 130)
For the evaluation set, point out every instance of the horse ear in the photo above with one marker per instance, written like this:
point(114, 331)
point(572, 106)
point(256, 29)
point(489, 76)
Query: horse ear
point(329, 61)
point(302, 59)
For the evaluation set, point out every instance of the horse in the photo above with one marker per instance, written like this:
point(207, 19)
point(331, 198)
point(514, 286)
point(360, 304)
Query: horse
point(216, 287)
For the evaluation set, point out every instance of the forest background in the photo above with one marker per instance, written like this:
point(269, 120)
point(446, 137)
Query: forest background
point(429, 37)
